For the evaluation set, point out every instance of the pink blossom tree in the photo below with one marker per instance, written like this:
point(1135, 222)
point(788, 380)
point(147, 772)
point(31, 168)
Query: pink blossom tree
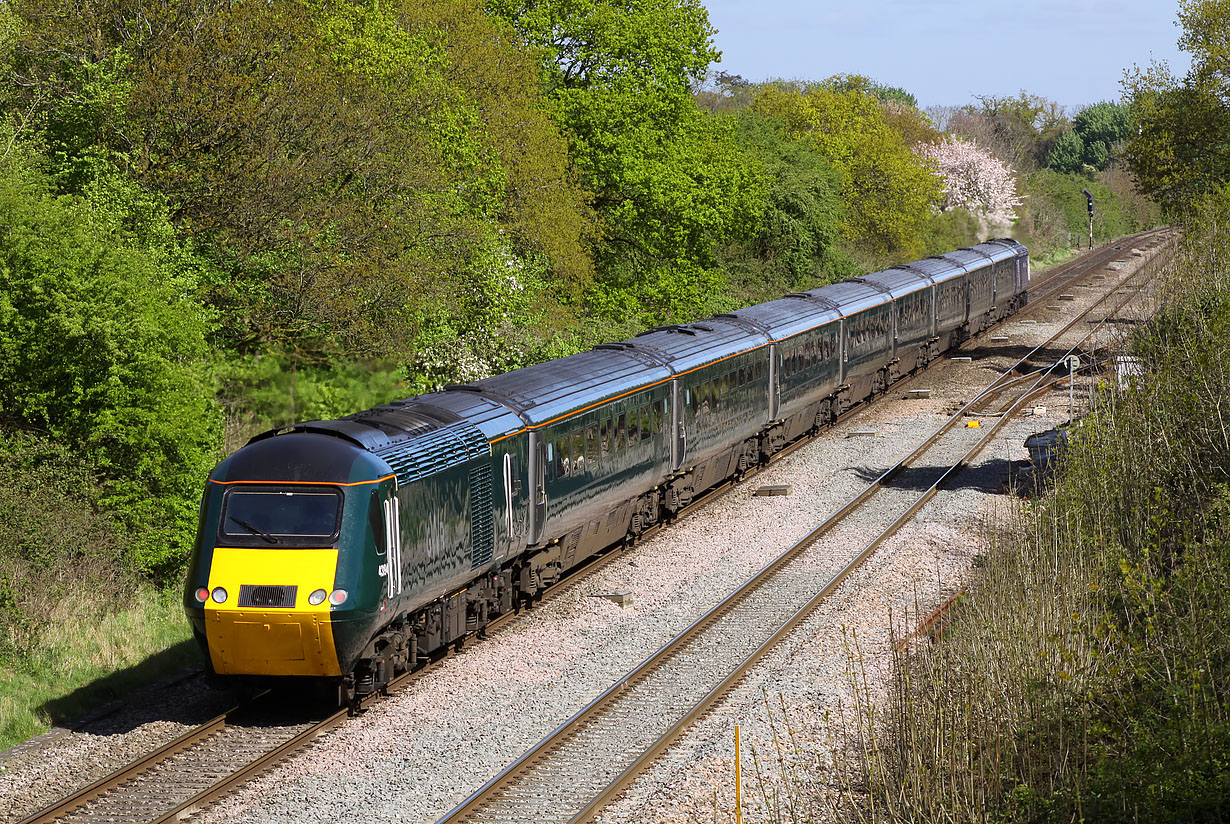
point(974, 180)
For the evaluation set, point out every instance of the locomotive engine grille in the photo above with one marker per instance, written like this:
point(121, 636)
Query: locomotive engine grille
point(252, 595)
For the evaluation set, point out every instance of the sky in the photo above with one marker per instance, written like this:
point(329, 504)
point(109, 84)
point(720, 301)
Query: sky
point(945, 52)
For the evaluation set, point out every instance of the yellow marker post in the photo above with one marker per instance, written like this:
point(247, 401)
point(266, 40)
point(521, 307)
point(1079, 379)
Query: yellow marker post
point(738, 782)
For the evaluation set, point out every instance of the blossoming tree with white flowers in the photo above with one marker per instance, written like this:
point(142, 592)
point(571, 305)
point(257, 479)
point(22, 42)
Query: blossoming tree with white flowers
point(975, 181)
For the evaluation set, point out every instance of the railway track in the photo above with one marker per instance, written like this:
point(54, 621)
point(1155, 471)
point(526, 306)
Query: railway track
point(206, 763)
point(590, 758)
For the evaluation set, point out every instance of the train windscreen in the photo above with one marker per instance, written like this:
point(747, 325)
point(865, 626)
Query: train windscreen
point(281, 515)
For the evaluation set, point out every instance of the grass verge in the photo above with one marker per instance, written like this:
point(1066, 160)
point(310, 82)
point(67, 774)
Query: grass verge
point(86, 656)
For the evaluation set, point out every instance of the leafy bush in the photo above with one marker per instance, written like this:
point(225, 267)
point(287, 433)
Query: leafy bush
point(103, 347)
point(888, 190)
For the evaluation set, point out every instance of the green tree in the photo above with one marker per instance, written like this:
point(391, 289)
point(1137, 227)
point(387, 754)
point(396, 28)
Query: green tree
point(889, 190)
point(1181, 150)
point(103, 348)
point(669, 180)
point(1096, 132)
point(1068, 153)
point(1106, 123)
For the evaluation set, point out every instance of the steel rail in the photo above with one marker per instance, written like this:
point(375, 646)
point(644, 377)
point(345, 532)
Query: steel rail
point(123, 774)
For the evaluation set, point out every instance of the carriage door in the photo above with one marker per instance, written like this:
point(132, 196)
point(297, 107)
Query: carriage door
point(775, 383)
point(392, 537)
point(510, 505)
point(679, 436)
point(538, 486)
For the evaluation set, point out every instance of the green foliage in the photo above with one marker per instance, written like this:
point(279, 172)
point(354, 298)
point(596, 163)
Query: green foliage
point(1106, 123)
point(889, 190)
point(798, 243)
point(102, 347)
point(1068, 153)
point(54, 533)
point(669, 181)
point(1180, 153)
point(1096, 131)
point(340, 158)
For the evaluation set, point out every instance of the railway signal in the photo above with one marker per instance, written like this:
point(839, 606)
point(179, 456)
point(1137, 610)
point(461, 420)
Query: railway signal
point(1089, 200)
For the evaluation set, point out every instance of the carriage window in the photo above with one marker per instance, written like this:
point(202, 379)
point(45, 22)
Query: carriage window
point(375, 519)
point(621, 426)
point(659, 416)
point(578, 451)
point(591, 442)
point(563, 466)
point(606, 437)
point(634, 426)
point(646, 422)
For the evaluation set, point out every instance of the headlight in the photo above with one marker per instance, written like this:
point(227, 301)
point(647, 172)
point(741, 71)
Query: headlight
point(337, 597)
point(219, 595)
point(202, 595)
point(317, 598)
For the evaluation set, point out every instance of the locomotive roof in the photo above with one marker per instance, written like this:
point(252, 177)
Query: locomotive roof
point(786, 317)
point(547, 391)
point(850, 296)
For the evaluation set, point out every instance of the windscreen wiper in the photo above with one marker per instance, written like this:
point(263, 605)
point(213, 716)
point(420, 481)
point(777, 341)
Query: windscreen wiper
point(254, 530)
